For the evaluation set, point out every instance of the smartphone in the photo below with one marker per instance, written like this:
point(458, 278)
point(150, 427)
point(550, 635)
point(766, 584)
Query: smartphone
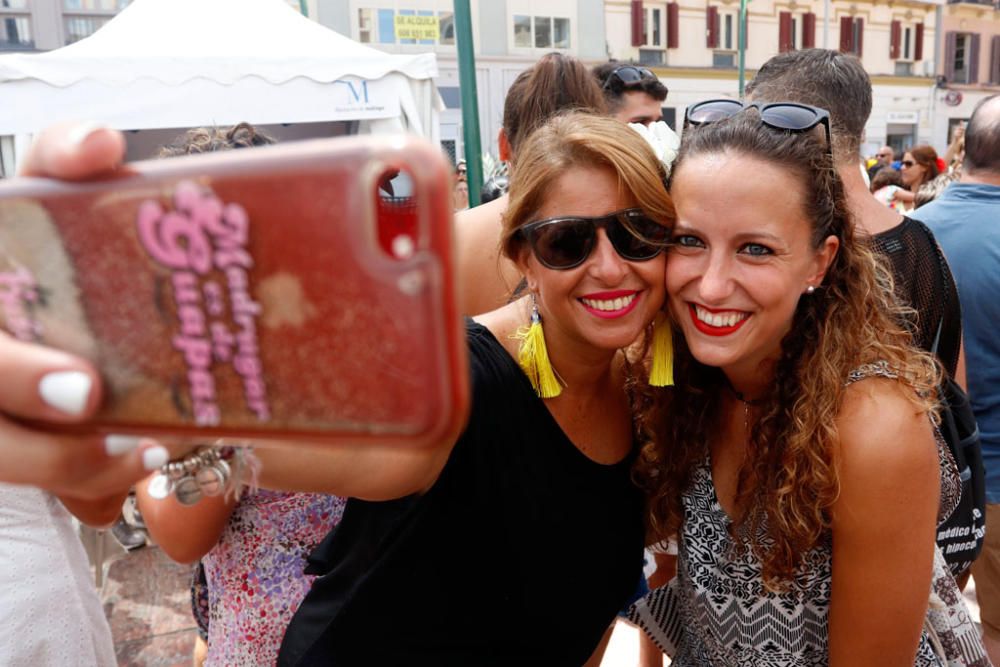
point(296, 292)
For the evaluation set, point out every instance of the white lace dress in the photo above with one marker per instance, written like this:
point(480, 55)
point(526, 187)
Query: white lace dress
point(717, 612)
point(50, 613)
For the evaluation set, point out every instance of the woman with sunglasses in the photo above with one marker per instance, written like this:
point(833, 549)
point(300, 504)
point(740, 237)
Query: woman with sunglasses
point(793, 457)
point(457, 563)
point(918, 166)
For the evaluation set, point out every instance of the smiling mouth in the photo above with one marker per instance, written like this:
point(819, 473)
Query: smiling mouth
point(611, 305)
point(717, 322)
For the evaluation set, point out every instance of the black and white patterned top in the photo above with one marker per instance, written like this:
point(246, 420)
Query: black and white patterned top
point(717, 611)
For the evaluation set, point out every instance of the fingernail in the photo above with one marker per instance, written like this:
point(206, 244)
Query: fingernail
point(66, 391)
point(116, 445)
point(80, 133)
point(155, 458)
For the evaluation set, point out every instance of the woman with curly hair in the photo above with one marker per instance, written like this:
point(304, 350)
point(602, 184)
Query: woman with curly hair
point(796, 461)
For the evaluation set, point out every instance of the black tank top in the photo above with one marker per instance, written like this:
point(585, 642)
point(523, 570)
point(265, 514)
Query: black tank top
point(520, 554)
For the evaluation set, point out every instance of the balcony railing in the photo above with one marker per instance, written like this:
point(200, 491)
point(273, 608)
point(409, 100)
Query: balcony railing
point(986, 3)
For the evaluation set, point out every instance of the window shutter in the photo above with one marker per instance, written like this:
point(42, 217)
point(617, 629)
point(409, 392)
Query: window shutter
point(950, 42)
point(974, 59)
point(859, 47)
point(712, 31)
point(638, 39)
point(784, 32)
point(809, 31)
point(918, 42)
point(895, 30)
point(995, 61)
point(673, 25)
point(846, 34)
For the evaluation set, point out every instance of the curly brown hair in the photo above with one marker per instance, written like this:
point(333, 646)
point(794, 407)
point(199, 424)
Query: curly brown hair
point(789, 480)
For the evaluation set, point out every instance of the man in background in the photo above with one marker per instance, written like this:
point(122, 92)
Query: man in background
point(883, 158)
point(633, 93)
point(966, 221)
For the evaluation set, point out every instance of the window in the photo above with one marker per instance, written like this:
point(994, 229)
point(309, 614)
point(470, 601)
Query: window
point(961, 52)
point(106, 6)
point(541, 32)
point(652, 26)
point(796, 31)
point(79, 27)
point(906, 41)
point(395, 26)
point(650, 57)
point(723, 60)
point(82, 18)
point(852, 32)
point(722, 30)
point(451, 96)
point(15, 26)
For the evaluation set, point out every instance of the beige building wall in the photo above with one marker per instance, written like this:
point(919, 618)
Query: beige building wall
point(904, 86)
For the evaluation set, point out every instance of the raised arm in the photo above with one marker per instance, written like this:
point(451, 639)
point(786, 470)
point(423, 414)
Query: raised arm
point(883, 528)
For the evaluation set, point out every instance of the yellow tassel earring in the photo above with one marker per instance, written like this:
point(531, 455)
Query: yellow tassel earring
point(662, 372)
point(534, 357)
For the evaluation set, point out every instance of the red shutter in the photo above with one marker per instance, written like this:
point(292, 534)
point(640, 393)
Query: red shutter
point(809, 31)
point(950, 42)
point(638, 39)
point(995, 60)
point(918, 42)
point(785, 32)
point(712, 27)
point(846, 34)
point(895, 31)
point(859, 46)
point(673, 25)
point(974, 59)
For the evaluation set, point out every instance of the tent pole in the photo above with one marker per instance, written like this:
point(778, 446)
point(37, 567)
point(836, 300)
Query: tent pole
point(470, 104)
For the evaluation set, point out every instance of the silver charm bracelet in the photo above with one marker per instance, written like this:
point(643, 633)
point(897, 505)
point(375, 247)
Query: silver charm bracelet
point(205, 472)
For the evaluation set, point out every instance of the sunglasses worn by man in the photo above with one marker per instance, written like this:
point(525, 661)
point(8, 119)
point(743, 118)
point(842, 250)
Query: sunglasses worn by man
point(628, 75)
point(783, 116)
point(566, 242)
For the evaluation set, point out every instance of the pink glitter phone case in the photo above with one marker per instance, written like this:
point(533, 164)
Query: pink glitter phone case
point(278, 292)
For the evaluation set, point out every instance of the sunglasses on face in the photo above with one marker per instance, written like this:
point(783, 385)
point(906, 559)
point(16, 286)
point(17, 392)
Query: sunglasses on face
point(783, 116)
point(628, 75)
point(566, 242)
point(906, 164)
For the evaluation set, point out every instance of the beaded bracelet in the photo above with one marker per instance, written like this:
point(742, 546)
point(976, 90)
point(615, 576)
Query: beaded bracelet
point(206, 472)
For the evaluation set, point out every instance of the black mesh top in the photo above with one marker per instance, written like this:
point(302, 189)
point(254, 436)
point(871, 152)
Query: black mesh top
point(923, 282)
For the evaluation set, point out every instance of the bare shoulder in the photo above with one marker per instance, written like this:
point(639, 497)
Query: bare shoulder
point(485, 277)
point(883, 434)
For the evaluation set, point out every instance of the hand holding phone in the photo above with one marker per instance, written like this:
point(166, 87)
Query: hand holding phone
point(268, 295)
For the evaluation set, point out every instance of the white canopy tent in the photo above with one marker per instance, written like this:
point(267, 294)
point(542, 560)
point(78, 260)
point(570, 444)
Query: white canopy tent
point(188, 63)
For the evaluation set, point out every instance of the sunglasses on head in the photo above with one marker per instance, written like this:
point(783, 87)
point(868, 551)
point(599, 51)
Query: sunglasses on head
point(628, 75)
point(784, 116)
point(566, 242)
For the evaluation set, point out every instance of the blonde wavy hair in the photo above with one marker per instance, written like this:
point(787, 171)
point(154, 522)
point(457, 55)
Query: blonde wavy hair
point(579, 139)
point(789, 481)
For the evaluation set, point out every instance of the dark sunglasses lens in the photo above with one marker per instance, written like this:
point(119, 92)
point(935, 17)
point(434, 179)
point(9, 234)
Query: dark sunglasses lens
point(636, 237)
point(563, 244)
point(788, 117)
point(711, 112)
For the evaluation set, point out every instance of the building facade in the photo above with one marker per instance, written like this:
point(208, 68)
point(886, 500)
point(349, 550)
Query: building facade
point(693, 46)
point(508, 35)
point(969, 67)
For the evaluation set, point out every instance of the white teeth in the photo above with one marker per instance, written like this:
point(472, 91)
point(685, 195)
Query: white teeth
point(610, 305)
point(719, 319)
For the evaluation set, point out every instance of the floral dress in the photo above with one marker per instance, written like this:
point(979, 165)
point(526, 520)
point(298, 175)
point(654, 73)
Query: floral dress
point(256, 576)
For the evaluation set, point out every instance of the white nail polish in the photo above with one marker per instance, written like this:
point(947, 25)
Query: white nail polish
point(79, 134)
point(116, 445)
point(66, 391)
point(155, 458)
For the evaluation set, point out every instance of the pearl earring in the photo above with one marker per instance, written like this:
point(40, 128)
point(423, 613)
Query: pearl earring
point(810, 289)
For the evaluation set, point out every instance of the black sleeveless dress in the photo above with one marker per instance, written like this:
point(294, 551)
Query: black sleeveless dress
point(520, 554)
